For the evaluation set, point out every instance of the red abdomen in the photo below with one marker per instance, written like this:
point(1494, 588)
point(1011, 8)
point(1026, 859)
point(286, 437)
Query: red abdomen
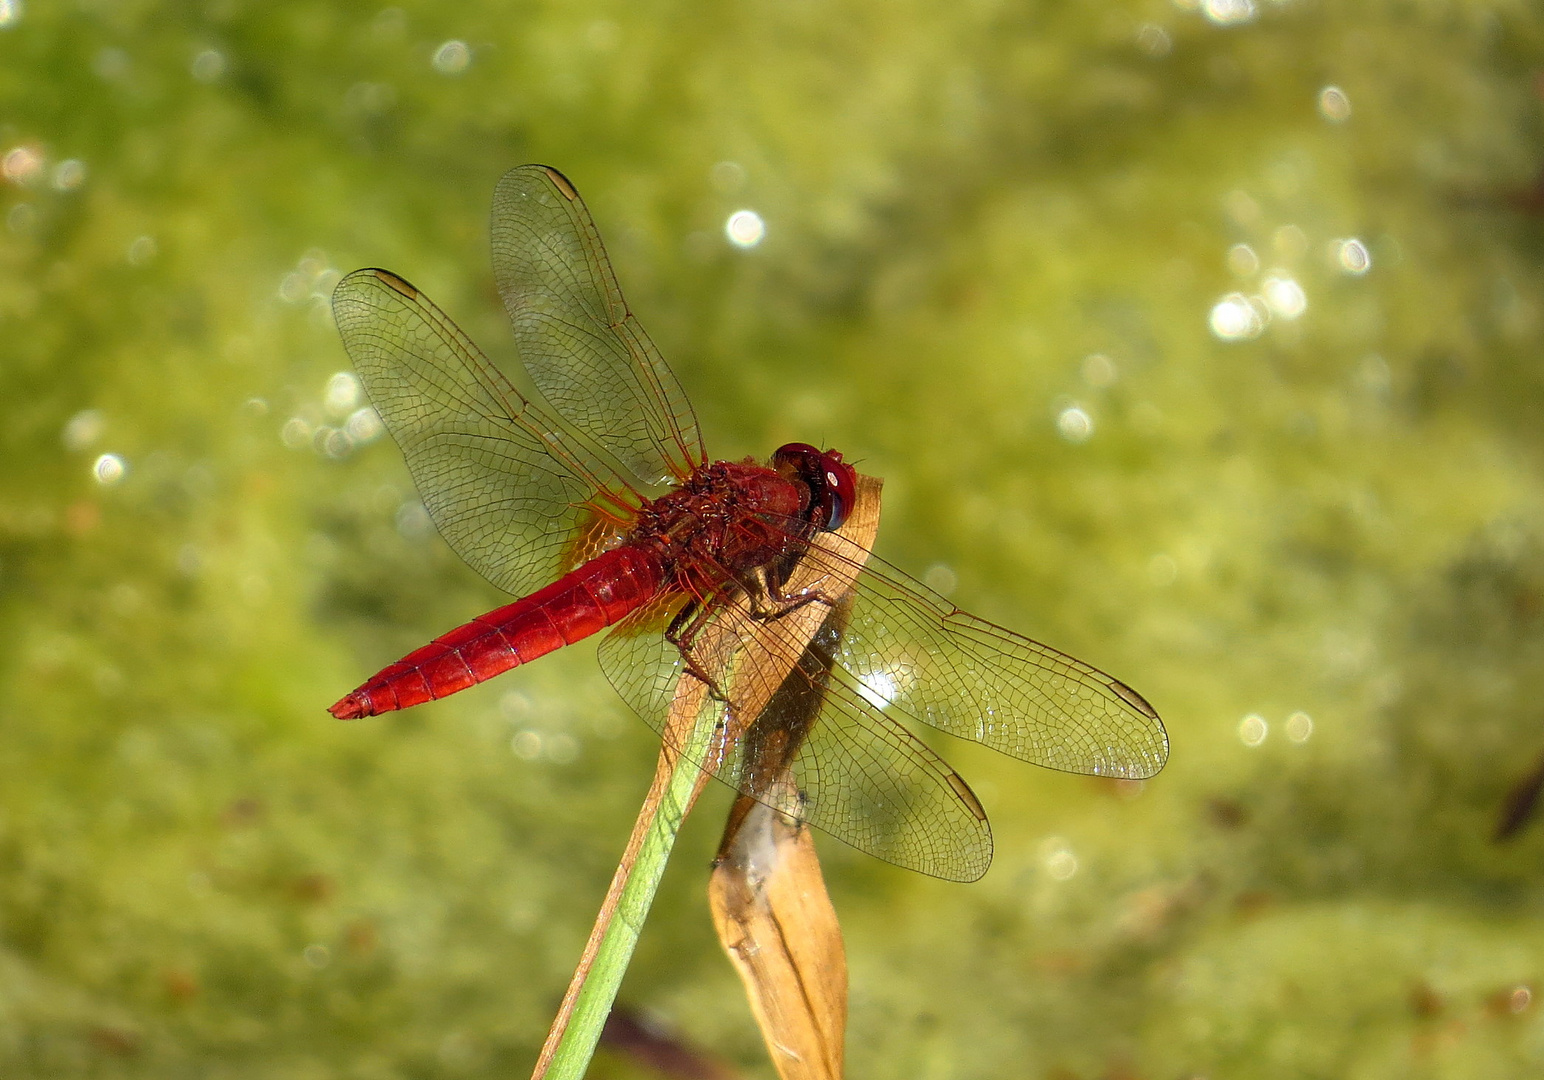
point(582, 602)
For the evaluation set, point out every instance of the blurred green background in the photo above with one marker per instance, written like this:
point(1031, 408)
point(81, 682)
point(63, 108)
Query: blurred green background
point(1202, 341)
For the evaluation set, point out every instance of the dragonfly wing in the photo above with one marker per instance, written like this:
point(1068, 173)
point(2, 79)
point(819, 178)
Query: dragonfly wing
point(501, 483)
point(853, 772)
point(584, 349)
point(907, 649)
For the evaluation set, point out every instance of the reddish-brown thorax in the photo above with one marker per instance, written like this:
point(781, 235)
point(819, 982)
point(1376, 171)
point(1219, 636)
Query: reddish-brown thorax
point(727, 519)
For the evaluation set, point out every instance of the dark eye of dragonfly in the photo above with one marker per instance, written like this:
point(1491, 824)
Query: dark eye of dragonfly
point(832, 482)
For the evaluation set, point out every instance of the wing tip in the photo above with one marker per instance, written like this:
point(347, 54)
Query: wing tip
point(396, 283)
point(1134, 699)
point(374, 274)
point(966, 871)
point(564, 185)
point(966, 796)
point(1152, 763)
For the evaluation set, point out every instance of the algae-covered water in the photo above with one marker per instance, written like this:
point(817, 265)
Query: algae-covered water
point(1203, 341)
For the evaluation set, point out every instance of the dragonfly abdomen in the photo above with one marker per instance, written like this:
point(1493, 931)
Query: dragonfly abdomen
point(582, 602)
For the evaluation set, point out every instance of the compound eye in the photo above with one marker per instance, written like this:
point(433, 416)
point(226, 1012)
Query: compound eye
point(799, 455)
point(839, 489)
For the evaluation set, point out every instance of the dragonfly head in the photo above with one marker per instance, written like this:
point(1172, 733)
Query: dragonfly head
point(832, 483)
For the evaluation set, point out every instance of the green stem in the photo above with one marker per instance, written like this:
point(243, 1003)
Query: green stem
point(621, 923)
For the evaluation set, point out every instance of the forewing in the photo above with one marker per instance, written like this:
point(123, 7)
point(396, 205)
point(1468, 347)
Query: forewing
point(584, 349)
point(505, 489)
point(908, 649)
point(854, 772)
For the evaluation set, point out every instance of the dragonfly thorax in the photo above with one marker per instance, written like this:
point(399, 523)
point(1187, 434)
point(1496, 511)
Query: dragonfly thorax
point(729, 515)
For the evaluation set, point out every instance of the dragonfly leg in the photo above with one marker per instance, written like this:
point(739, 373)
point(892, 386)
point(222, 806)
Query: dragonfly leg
point(682, 633)
point(786, 603)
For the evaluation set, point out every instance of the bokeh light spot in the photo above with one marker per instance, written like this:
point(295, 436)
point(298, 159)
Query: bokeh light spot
point(1154, 40)
point(1058, 858)
point(141, 250)
point(1290, 242)
point(452, 58)
point(389, 24)
point(1253, 729)
point(109, 469)
point(1334, 105)
point(1352, 256)
point(745, 228)
point(295, 433)
point(22, 164)
point(342, 395)
point(332, 442)
point(727, 176)
point(1284, 295)
point(941, 579)
point(1228, 12)
point(1241, 207)
point(413, 521)
point(1074, 425)
point(364, 425)
point(1299, 727)
point(1099, 371)
point(83, 429)
point(526, 745)
point(1237, 317)
point(10, 13)
point(69, 175)
point(562, 749)
point(1242, 260)
point(208, 65)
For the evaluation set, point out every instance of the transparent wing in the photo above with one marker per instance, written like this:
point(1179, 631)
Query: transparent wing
point(585, 351)
point(799, 742)
point(818, 672)
point(906, 649)
point(504, 487)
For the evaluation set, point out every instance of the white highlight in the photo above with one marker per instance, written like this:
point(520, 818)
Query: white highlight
point(1334, 105)
point(83, 429)
point(1057, 857)
point(342, 395)
point(1237, 317)
point(1299, 727)
point(1228, 12)
point(879, 688)
point(452, 58)
point(1284, 295)
point(745, 228)
point(1074, 425)
point(1352, 256)
point(1253, 729)
point(109, 469)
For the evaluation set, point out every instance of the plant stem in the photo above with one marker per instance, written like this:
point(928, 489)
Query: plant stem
point(577, 1028)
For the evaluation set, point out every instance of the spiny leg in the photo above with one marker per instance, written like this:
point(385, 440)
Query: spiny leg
point(683, 631)
point(765, 588)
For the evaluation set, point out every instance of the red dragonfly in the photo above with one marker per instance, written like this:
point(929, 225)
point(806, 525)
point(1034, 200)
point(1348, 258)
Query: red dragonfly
point(602, 509)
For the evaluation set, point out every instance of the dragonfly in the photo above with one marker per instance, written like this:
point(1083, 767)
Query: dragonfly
point(594, 501)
